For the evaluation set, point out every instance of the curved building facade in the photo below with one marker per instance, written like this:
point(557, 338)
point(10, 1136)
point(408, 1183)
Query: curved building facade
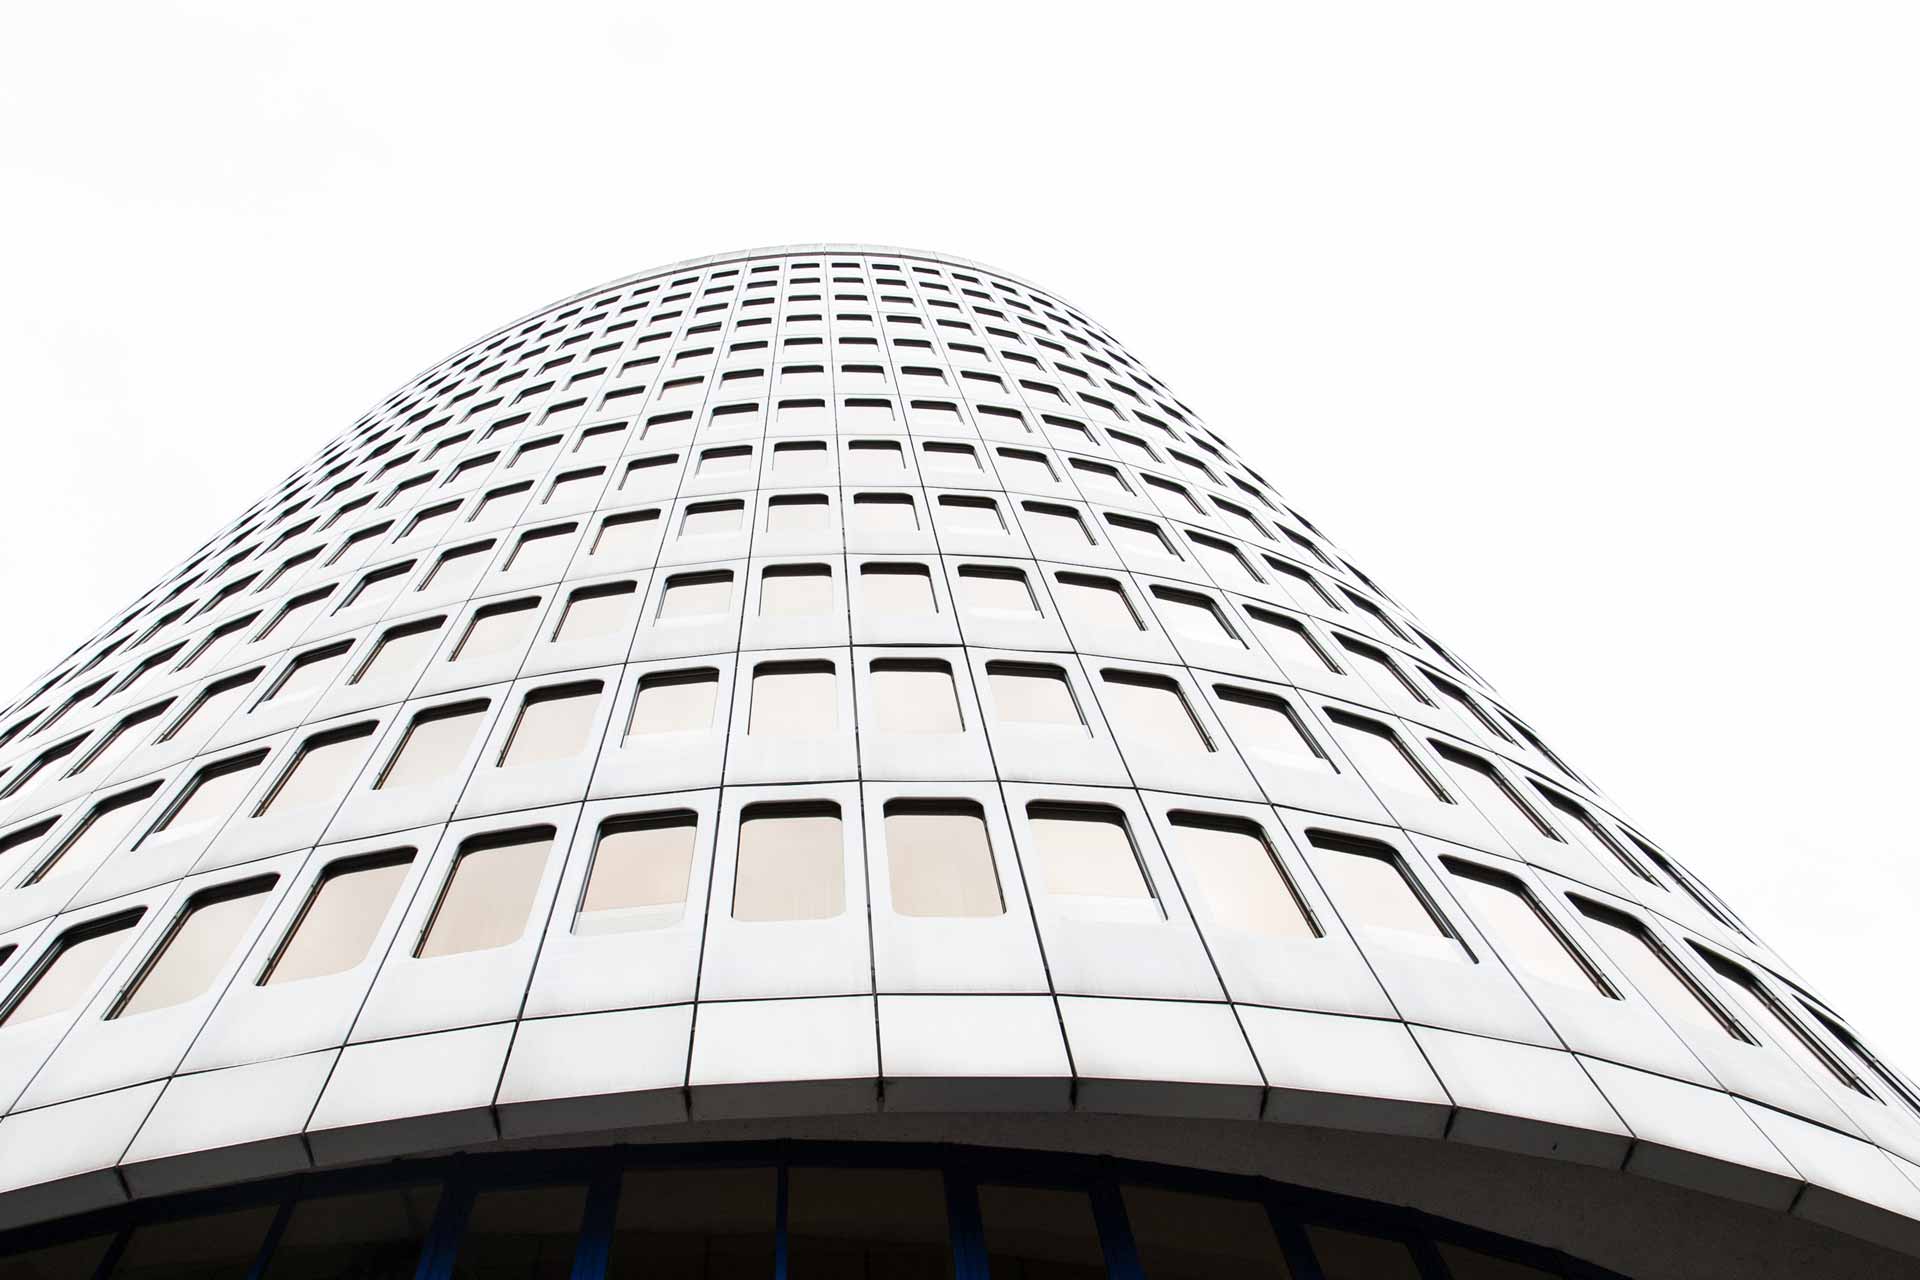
point(814, 762)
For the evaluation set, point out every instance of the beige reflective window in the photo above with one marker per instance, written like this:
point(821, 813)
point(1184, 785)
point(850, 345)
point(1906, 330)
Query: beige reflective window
point(1032, 693)
point(1151, 712)
point(431, 523)
point(497, 629)
point(793, 699)
point(1591, 835)
point(674, 702)
point(378, 587)
point(341, 918)
point(1141, 537)
point(534, 451)
point(198, 947)
point(1519, 928)
point(939, 861)
point(1025, 467)
point(1086, 851)
point(796, 591)
point(592, 612)
point(734, 460)
point(213, 794)
point(120, 741)
point(400, 650)
point(798, 513)
point(1490, 791)
point(19, 843)
point(581, 486)
point(1095, 602)
point(310, 672)
point(1303, 586)
point(489, 893)
point(435, 744)
point(459, 567)
point(1192, 614)
point(885, 513)
point(951, 457)
point(1653, 970)
point(295, 615)
point(1381, 671)
point(215, 703)
point(1230, 866)
point(27, 779)
point(696, 595)
point(67, 976)
point(704, 519)
point(219, 643)
point(104, 827)
point(320, 771)
point(877, 453)
point(791, 863)
point(970, 515)
point(542, 551)
point(553, 724)
point(1370, 886)
point(651, 473)
point(1100, 481)
point(795, 457)
point(897, 590)
point(990, 587)
point(1765, 1009)
point(1060, 526)
point(1383, 757)
point(641, 865)
point(1290, 643)
point(914, 695)
point(626, 534)
point(1269, 727)
point(1224, 561)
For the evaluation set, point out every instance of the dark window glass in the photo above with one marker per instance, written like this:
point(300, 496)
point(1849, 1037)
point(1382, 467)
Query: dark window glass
point(1189, 1237)
point(372, 1236)
point(213, 1247)
point(867, 1222)
point(1036, 1233)
point(77, 1260)
point(527, 1233)
point(1346, 1255)
point(1471, 1264)
point(694, 1224)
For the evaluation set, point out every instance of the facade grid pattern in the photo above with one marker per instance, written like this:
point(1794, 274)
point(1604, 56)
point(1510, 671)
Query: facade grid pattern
point(829, 680)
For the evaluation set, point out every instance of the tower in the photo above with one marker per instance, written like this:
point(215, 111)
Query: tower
point(816, 759)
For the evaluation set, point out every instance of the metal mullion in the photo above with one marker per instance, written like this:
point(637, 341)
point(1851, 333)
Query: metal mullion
point(596, 1227)
point(1116, 1237)
point(111, 1258)
point(271, 1241)
point(1426, 1256)
point(780, 1220)
point(967, 1234)
point(1293, 1242)
point(449, 1224)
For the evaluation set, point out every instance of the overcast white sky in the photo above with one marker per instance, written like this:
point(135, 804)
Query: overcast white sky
point(1589, 331)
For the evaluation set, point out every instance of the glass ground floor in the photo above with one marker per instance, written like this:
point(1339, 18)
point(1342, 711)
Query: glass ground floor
point(789, 1209)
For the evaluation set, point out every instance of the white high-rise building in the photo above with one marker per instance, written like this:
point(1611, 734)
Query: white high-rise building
point(814, 762)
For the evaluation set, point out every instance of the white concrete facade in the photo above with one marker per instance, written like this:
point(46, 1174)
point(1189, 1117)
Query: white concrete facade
point(833, 487)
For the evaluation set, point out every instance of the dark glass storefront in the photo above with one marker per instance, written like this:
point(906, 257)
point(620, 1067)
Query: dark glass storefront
point(769, 1211)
